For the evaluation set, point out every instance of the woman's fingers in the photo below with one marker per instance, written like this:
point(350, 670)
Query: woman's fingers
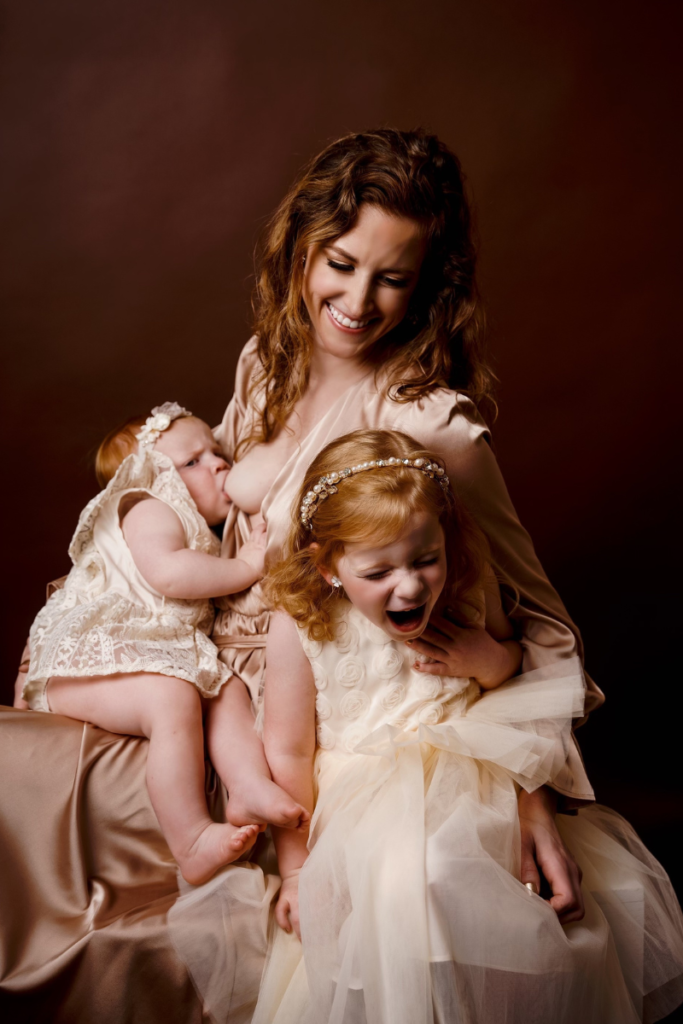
point(567, 898)
point(422, 646)
point(435, 668)
point(529, 871)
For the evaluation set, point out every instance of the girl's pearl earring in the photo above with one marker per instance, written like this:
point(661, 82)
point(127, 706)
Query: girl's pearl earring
point(336, 582)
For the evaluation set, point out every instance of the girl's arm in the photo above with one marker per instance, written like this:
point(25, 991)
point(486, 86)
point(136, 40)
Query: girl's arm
point(289, 742)
point(156, 540)
point(486, 652)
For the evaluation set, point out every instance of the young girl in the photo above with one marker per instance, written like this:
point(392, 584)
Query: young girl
point(407, 897)
point(124, 645)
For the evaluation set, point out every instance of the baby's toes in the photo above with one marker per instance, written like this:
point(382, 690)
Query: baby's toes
point(244, 837)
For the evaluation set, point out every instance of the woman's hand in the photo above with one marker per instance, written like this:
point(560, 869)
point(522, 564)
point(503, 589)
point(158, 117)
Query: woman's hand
point(542, 845)
point(469, 652)
point(287, 907)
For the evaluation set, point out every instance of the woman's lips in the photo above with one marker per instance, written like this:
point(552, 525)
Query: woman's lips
point(407, 621)
point(348, 330)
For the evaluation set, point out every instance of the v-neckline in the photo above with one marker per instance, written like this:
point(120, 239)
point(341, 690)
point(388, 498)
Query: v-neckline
point(305, 442)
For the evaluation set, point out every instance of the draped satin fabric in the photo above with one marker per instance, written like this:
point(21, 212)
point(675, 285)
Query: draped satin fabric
point(87, 882)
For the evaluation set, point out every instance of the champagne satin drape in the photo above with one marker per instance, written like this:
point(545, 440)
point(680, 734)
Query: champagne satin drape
point(87, 881)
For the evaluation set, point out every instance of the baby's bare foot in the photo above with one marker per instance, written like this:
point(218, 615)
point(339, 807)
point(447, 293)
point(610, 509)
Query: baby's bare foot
point(214, 847)
point(260, 799)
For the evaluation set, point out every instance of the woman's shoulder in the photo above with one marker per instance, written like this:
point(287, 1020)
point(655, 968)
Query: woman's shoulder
point(442, 417)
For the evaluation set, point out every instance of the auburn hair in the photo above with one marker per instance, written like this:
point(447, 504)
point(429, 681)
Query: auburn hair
point(374, 508)
point(117, 445)
point(440, 341)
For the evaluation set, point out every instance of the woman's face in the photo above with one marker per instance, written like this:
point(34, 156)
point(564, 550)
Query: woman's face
point(357, 288)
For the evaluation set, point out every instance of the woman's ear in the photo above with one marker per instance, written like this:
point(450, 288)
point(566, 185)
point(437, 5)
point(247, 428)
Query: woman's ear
point(325, 573)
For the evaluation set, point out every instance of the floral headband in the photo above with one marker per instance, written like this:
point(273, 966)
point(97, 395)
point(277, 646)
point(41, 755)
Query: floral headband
point(161, 419)
point(327, 485)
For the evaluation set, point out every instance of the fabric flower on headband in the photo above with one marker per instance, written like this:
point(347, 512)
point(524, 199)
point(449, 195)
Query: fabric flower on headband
point(161, 419)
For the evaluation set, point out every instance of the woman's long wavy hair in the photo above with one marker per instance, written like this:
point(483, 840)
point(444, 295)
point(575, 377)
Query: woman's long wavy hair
point(440, 341)
point(372, 508)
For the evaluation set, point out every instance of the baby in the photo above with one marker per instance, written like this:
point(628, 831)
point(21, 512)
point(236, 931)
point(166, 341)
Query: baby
point(124, 645)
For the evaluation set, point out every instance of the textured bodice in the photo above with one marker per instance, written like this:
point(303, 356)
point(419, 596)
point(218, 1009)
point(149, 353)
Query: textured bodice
point(365, 680)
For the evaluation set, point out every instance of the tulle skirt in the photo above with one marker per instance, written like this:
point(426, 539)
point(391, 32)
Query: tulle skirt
point(412, 911)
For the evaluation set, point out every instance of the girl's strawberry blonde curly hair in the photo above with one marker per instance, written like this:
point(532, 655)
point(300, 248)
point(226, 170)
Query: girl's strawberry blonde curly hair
point(374, 508)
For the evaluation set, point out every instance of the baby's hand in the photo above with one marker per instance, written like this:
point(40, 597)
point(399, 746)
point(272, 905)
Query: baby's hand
point(287, 908)
point(253, 552)
point(464, 652)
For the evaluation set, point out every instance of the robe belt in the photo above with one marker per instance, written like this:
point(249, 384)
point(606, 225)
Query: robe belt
point(249, 641)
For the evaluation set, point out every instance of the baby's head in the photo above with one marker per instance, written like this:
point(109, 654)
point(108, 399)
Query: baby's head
point(391, 534)
point(188, 443)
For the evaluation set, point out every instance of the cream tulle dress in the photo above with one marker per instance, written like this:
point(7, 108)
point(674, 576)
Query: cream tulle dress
point(107, 618)
point(412, 911)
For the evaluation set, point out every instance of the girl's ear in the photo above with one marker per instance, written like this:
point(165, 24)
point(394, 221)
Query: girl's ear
point(325, 573)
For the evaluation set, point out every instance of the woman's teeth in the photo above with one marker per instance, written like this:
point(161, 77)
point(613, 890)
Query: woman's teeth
point(344, 320)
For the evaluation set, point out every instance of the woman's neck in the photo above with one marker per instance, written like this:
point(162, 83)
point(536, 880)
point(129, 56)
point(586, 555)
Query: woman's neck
point(329, 371)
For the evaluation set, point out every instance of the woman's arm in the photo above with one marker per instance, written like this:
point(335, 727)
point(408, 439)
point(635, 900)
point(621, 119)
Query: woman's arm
point(449, 424)
point(289, 742)
point(156, 540)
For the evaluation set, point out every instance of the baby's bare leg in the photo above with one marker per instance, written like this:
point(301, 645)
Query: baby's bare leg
point(168, 712)
point(237, 754)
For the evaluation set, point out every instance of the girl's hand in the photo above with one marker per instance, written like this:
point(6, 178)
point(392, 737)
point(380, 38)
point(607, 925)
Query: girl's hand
point(253, 552)
point(465, 652)
point(287, 907)
point(542, 845)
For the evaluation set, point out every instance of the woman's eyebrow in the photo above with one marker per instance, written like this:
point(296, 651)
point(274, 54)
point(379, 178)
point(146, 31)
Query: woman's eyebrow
point(386, 270)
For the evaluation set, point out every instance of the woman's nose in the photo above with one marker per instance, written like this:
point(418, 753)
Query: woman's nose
point(359, 295)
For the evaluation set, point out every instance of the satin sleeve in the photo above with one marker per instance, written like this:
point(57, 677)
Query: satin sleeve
point(449, 424)
point(238, 415)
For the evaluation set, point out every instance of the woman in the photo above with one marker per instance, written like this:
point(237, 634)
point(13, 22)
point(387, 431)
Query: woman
point(367, 316)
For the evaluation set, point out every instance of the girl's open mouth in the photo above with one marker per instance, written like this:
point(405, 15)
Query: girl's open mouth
point(408, 620)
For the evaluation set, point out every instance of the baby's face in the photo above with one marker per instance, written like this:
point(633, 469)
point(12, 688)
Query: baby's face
point(397, 585)
point(197, 456)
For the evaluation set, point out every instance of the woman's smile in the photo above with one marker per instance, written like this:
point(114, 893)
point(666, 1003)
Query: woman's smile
point(346, 323)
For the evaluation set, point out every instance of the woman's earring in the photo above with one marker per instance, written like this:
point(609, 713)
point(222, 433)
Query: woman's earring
point(336, 582)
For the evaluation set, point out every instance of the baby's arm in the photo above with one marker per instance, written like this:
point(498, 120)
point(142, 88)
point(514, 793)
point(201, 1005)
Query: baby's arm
point(289, 740)
point(156, 540)
point(486, 653)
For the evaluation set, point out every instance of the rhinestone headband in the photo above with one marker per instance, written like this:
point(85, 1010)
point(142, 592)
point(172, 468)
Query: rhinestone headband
point(327, 485)
point(161, 419)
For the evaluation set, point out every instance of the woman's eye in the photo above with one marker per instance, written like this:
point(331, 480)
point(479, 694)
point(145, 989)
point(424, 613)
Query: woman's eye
point(376, 575)
point(395, 282)
point(344, 267)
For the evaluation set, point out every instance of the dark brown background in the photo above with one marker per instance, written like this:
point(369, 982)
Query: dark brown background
point(146, 141)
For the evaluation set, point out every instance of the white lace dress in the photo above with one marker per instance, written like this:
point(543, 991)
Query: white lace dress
point(412, 911)
point(107, 619)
